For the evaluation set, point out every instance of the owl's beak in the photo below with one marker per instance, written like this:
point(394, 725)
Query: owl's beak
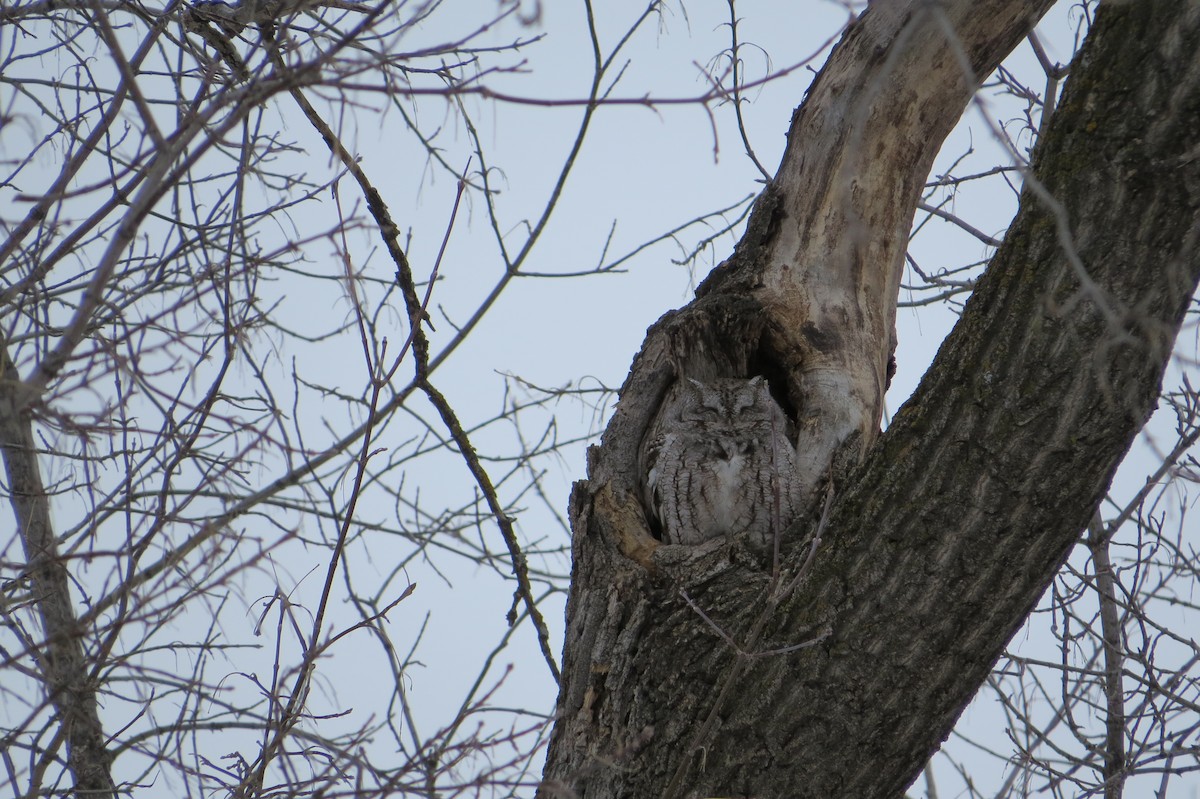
point(732, 447)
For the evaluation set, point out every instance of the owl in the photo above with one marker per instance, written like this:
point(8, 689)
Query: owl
point(719, 462)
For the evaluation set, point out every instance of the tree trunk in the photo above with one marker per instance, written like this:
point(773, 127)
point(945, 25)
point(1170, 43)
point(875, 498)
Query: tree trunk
point(697, 672)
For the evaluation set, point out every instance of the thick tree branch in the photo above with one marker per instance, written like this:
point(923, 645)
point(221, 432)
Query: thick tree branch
point(68, 683)
point(859, 151)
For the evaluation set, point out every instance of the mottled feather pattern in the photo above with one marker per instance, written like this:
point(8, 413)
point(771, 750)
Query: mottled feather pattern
point(721, 464)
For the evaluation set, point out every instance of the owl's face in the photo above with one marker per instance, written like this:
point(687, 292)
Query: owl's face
point(727, 405)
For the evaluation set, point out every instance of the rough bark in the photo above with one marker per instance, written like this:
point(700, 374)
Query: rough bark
point(932, 551)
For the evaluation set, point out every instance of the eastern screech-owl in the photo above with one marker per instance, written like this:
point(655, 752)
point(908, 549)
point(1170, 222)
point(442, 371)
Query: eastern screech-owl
point(720, 462)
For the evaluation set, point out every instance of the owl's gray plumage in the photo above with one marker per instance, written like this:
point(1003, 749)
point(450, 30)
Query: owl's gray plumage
point(719, 462)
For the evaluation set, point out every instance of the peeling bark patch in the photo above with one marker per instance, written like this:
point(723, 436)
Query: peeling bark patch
point(628, 521)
